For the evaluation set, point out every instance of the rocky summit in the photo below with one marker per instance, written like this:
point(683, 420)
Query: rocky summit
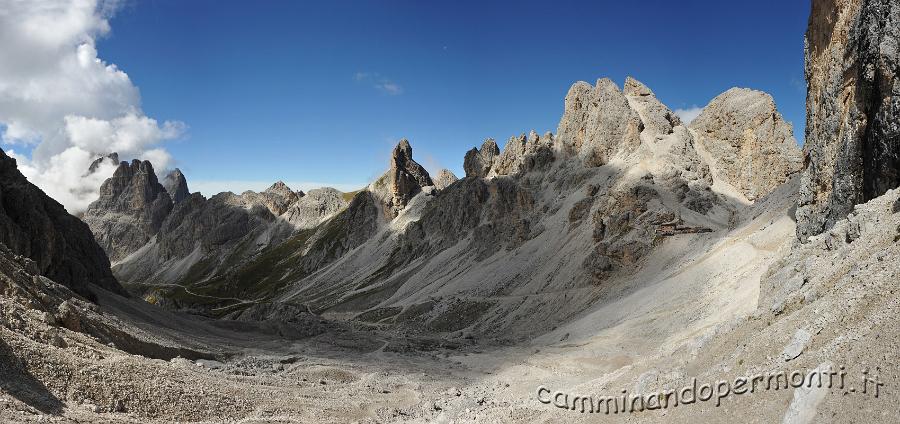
point(444, 179)
point(130, 210)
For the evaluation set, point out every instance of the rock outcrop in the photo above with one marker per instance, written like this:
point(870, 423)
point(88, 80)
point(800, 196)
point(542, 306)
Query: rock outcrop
point(598, 123)
point(315, 207)
point(852, 111)
point(37, 227)
point(750, 144)
point(130, 210)
point(176, 185)
point(478, 162)
point(403, 180)
point(444, 178)
point(654, 115)
point(524, 153)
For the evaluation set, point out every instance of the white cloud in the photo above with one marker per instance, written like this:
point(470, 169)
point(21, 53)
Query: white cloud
point(689, 114)
point(210, 188)
point(391, 88)
point(59, 97)
point(379, 82)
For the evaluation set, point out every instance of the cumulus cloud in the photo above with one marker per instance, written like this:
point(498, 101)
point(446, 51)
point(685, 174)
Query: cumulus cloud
point(689, 114)
point(59, 100)
point(379, 82)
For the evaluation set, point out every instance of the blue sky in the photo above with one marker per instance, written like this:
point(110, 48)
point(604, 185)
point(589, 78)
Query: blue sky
point(321, 91)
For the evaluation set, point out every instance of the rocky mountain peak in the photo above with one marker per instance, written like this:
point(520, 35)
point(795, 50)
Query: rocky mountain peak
point(634, 87)
point(131, 207)
point(277, 198)
point(749, 142)
point(112, 158)
point(478, 162)
point(279, 187)
point(176, 185)
point(598, 123)
point(444, 178)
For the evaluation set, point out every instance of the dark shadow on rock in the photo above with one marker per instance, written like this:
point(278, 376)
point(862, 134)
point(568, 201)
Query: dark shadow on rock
point(23, 386)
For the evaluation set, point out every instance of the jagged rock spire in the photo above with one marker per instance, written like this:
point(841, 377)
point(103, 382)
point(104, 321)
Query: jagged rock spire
point(478, 162)
point(407, 175)
point(403, 180)
point(176, 185)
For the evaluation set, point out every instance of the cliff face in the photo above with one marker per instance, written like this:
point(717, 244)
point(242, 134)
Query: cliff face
point(853, 109)
point(36, 226)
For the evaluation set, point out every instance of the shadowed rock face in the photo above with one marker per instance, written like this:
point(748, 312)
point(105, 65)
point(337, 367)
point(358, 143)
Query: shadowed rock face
point(751, 145)
point(176, 185)
point(408, 176)
point(853, 109)
point(36, 226)
point(478, 162)
point(130, 210)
